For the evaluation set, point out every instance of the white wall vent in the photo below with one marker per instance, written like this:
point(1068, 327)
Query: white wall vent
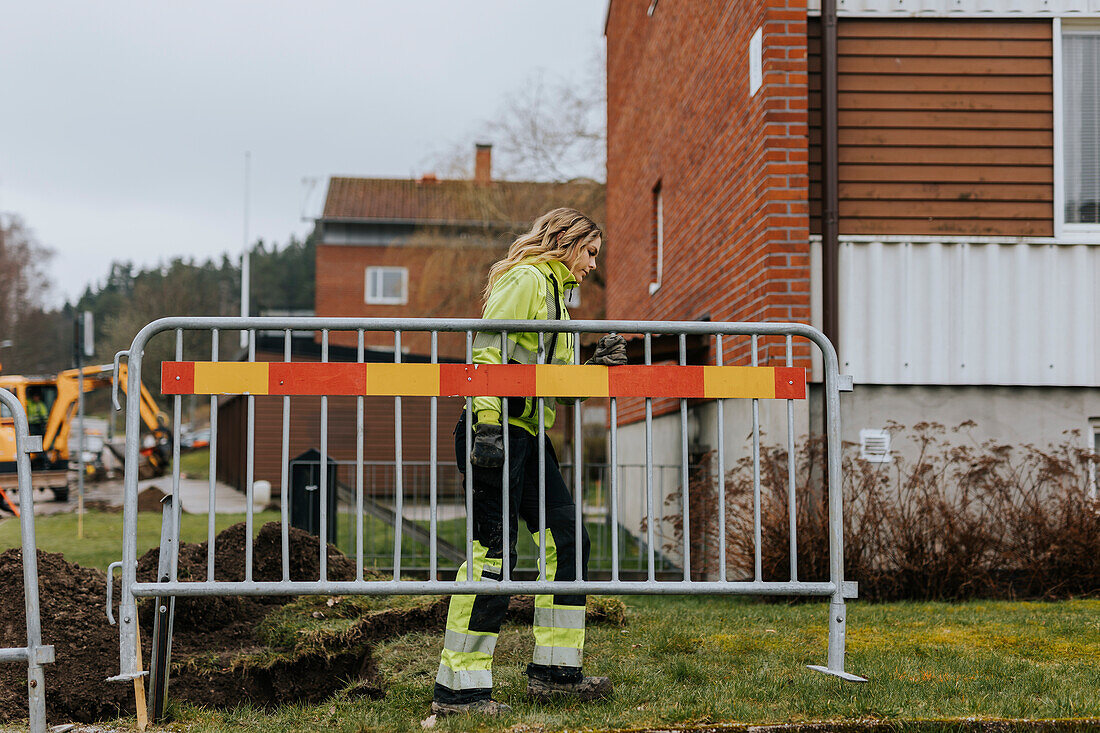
point(874, 446)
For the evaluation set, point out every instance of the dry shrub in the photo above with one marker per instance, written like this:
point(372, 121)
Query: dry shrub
point(958, 521)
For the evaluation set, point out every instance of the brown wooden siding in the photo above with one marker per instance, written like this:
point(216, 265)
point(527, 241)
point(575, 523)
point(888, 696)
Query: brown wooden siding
point(945, 127)
point(305, 433)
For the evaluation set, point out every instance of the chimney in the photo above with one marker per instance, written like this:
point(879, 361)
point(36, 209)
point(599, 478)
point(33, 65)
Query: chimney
point(483, 164)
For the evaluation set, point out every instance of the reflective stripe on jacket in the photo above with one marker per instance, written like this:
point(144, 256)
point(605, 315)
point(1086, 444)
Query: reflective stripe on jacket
point(525, 292)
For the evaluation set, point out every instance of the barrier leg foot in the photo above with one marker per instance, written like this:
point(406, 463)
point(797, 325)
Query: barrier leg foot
point(837, 673)
point(837, 631)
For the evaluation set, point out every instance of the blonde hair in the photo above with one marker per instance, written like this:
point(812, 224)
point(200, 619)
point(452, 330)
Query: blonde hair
point(556, 235)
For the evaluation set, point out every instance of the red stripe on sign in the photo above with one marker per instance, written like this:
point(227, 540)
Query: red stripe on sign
point(496, 380)
point(655, 381)
point(790, 383)
point(177, 377)
point(312, 378)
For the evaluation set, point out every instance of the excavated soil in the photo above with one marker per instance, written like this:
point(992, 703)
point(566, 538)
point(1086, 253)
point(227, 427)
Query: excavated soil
point(217, 658)
point(72, 612)
point(73, 620)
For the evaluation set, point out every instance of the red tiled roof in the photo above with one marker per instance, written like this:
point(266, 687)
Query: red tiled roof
point(454, 201)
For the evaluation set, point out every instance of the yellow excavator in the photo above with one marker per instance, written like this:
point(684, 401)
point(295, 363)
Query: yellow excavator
point(51, 404)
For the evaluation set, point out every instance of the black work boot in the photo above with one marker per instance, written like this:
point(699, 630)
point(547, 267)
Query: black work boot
point(546, 683)
point(478, 707)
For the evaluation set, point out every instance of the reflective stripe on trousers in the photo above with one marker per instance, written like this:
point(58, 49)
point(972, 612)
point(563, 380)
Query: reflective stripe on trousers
point(466, 662)
point(559, 629)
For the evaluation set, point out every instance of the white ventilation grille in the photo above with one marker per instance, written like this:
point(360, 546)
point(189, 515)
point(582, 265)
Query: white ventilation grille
point(874, 446)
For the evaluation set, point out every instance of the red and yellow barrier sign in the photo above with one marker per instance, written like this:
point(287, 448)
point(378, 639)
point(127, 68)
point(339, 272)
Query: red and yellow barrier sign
point(472, 380)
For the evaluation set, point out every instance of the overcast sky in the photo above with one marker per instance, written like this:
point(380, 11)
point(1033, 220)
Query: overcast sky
point(123, 125)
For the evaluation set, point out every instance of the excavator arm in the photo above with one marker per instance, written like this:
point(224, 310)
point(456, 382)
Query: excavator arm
point(62, 414)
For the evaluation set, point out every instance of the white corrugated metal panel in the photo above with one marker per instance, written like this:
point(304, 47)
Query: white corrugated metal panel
point(957, 312)
point(961, 8)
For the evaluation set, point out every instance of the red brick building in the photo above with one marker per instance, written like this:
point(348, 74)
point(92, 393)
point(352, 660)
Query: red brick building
point(968, 188)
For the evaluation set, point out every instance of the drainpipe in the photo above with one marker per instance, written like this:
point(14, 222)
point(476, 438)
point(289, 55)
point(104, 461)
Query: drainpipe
point(830, 244)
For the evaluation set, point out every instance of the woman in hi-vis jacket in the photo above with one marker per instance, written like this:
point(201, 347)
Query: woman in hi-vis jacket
point(530, 283)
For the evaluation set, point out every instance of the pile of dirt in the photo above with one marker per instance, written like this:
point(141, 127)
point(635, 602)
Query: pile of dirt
point(217, 659)
point(149, 500)
point(73, 621)
point(220, 657)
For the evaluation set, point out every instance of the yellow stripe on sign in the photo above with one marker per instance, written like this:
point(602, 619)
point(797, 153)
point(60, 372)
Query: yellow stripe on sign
point(237, 377)
point(560, 380)
point(739, 382)
point(413, 380)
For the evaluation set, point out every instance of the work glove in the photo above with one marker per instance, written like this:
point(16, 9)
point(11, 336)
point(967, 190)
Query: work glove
point(610, 351)
point(488, 448)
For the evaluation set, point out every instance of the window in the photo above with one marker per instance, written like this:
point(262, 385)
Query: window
point(387, 285)
point(756, 61)
point(658, 239)
point(1080, 128)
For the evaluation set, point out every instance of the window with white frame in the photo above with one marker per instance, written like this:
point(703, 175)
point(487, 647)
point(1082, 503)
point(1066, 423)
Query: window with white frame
point(387, 285)
point(1080, 92)
point(658, 260)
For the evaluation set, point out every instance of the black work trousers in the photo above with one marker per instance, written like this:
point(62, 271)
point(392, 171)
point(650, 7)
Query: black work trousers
point(472, 627)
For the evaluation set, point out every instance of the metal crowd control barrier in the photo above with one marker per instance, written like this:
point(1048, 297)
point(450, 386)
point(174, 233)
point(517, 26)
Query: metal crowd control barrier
point(35, 653)
point(433, 379)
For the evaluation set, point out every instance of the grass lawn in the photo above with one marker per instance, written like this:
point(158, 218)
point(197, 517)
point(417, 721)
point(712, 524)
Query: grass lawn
point(694, 661)
point(102, 541)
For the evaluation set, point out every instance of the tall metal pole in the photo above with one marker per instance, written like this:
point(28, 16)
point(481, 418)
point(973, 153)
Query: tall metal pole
point(80, 426)
point(245, 265)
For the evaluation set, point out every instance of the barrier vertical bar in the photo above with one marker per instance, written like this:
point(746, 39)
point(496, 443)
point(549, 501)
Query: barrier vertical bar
point(284, 483)
point(360, 356)
point(791, 499)
point(758, 571)
point(837, 610)
point(399, 473)
point(542, 479)
point(212, 496)
point(250, 466)
point(719, 358)
point(578, 460)
point(177, 405)
point(128, 659)
point(506, 478)
point(433, 489)
point(36, 653)
point(614, 480)
point(469, 468)
point(323, 468)
point(684, 477)
point(651, 574)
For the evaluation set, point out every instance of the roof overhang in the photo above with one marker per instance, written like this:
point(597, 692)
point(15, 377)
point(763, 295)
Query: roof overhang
point(960, 8)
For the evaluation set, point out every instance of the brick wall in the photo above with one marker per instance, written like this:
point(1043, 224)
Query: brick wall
point(732, 169)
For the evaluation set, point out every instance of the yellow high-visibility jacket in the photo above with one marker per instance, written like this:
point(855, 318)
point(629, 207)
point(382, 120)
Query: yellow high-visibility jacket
point(525, 292)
